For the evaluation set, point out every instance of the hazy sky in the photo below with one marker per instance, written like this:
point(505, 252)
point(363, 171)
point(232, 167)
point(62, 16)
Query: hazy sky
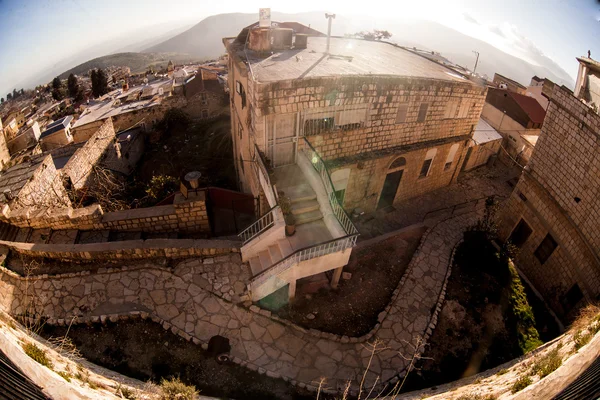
point(38, 33)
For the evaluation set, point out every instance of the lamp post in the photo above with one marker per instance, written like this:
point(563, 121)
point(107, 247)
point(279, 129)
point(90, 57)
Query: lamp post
point(476, 61)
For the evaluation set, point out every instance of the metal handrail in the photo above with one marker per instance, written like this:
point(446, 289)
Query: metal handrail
point(259, 226)
point(319, 165)
point(305, 253)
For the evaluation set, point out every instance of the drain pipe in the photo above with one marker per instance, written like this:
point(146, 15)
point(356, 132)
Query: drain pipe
point(329, 17)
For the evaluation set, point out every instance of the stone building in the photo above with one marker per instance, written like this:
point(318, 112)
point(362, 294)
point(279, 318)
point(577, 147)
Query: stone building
point(553, 214)
point(587, 87)
point(518, 118)
point(484, 146)
point(503, 82)
point(346, 124)
point(204, 94)
point(26, 139)
point(57, 134)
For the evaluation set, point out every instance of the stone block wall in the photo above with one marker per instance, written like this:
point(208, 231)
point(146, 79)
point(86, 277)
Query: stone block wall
point(183, 216)
point(563, 166)
point(80, 166)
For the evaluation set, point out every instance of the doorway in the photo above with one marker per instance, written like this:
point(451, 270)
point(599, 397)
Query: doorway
point(281, 139)
point(390, 187)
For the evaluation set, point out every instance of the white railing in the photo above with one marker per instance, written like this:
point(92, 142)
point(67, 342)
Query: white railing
point(319, 165)
point(258, 226)
point(307, 253)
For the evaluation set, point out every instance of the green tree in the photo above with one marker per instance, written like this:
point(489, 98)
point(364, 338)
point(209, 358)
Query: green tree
point(99, 82)
point(1, 99)
point(73, 86)
point(57, 89)
point(9, 96)
point(15, 93)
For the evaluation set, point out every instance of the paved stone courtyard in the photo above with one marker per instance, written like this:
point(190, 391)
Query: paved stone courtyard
point(197, 310)
point(476, 184)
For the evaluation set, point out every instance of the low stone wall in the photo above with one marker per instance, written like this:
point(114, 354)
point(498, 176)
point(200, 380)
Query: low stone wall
point(126, 250)
point(184, 216)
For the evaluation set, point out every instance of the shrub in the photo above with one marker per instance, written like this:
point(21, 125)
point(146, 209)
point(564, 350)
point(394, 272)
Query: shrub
point(582, 338)
point(475, 396)
point(547, 364)
point(39, 355)
point(529, 338)
point(125, 392)
point(502, 371)
point(161, 186)
point(521, 383)
point(174, 389)
point(66, 376)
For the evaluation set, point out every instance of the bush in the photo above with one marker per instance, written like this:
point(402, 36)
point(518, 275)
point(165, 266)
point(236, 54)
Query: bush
point(529, 338)
point(581, 339)
point(161, 186)
point(547, 364)
point(125, 392)
point(39, 355)
point(66, 376)
point(521, 383)
point(502, 371)
point(174, 389)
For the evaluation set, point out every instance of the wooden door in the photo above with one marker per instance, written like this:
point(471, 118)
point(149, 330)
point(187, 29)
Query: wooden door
point(390, 187)
point(281, 137)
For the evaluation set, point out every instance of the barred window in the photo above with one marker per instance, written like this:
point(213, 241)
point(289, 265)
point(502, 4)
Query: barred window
point(318, 125)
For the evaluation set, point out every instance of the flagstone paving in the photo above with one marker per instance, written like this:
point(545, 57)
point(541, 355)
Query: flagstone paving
point(192, 300)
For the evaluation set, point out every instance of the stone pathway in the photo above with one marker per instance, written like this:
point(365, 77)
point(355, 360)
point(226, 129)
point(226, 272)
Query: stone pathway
point(184, 302)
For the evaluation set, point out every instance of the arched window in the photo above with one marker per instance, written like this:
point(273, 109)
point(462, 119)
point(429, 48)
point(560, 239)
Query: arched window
point(398, 162)
point(426, 167)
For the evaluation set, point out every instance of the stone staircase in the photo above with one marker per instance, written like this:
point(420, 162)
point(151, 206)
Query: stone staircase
point(305, 208)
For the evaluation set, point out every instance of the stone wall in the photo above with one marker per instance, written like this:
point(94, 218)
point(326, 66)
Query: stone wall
point(80, 166)
point(556, 195)
point(126, 250)
point(183, 216)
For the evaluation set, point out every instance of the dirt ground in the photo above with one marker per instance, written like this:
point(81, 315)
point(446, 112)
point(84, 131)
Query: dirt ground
point(145, 351)
point(352, 309)
point(474, 330)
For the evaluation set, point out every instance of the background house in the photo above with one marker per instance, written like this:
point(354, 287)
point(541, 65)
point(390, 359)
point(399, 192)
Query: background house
point(57, 134)
point(503, 82)
point(485, 144)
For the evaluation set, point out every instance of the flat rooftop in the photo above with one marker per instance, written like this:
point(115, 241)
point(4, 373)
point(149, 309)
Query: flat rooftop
point(348, 57)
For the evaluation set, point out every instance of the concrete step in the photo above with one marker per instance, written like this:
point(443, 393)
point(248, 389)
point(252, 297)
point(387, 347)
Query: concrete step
point(265, 259)
point(275, 253)
point(255, 266)
point(308, 217)
point(305, 206)
point(285, 247)
point(300, 193)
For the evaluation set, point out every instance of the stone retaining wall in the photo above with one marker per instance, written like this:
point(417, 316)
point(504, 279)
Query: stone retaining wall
point(126, 250)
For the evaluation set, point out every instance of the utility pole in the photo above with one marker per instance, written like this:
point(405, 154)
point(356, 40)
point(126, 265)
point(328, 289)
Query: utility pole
point(476, 61)
point(329, 17)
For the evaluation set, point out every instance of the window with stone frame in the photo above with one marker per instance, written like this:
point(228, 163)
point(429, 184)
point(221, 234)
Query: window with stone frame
point(545, 249)
point(426, 167)
point(463, 111)
point(520, 234)
point(451, 156)
point(423, 108)
point(451, 108)
point(402, 112)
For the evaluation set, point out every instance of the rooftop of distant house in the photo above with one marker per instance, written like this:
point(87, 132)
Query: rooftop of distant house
point(106, 107)
point(519, 107)
point(14, 178)
point(485, 133)
point(510, 80)
point(347, 57)
point(57, 126)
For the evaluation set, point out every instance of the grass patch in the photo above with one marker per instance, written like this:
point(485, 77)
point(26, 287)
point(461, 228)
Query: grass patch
point(39, 355)
point(65, 375)
point(547, 364)
point(582, 338)
point(8, 321)
point(521, 383)
point(476, 396)
point(502, 371)
point(174, 389)
point(125, 392)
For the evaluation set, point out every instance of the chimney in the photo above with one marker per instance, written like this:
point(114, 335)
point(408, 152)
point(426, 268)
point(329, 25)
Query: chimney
point(259, 40)
point(329, 17)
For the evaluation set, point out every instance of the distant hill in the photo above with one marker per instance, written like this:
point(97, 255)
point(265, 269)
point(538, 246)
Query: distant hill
point(138, 62)
point(205, 40)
